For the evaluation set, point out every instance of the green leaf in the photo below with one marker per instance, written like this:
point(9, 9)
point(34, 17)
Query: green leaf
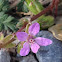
point(27, 27)
point(5, 27)
point(7, 22)
point(45, 21)
point(11, 45)
point(38, 5)
point(6, 39)
point(24, 8)
point(21, 22)
point(1, 26)
point(11, 26)
point(19, 48)
point(21, 7)
point(9, 19)
point(32, 8)
point(4, 5)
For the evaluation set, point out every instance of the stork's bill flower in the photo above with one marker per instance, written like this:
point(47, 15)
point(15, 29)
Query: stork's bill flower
point(31, 41)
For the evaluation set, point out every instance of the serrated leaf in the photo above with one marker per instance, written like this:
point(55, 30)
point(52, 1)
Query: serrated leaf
point(5, 8)
point(5, 27)
point(4, 5)
point(11, 26)
point(9, 19)
point(7, 22)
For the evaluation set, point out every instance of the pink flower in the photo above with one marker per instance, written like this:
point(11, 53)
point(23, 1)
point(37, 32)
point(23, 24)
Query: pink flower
point(31, 41)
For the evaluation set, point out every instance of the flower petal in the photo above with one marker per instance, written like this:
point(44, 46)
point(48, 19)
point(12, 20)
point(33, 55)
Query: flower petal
point(35, 47)
point(43, 41)
point(22, 36)
point(25, 50)
point(26, 45)
point(34, 29)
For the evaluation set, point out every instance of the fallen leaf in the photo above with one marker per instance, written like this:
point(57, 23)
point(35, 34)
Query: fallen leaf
point(57, 31)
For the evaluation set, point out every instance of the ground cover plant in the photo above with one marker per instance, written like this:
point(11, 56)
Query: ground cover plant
point(20, 23)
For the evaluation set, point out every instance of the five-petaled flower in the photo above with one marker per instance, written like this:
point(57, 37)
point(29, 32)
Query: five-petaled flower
point(31, 41)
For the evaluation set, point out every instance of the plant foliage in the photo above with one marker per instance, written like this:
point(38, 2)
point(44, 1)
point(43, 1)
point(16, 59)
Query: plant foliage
point(7, 22)
point(4, 5)
point(35, 7)
point(22, 7)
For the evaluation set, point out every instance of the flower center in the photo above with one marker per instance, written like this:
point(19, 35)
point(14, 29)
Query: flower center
point(31, 40)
